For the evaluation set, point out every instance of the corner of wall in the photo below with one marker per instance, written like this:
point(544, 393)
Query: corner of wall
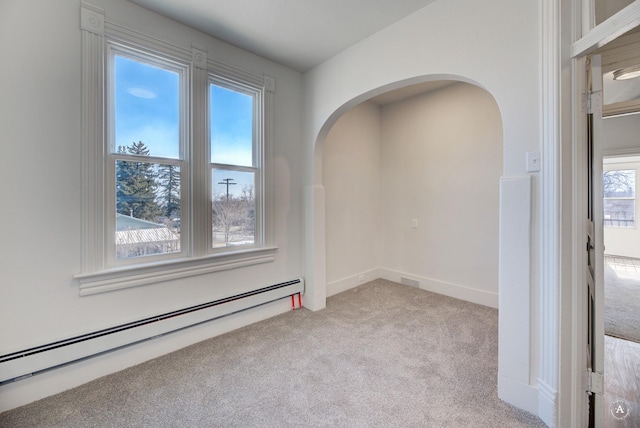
point(344, 284)
point(515, 329)
point(315, 295)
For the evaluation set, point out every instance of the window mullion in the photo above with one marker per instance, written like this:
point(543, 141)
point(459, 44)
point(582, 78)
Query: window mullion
point(200, 231)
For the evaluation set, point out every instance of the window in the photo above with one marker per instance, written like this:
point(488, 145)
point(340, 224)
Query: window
point(234, 164)
point(146, 135)
point(619, 189)
point(173, 160)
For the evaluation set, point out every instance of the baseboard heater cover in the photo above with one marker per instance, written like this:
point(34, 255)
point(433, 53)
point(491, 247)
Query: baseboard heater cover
point(28, 362)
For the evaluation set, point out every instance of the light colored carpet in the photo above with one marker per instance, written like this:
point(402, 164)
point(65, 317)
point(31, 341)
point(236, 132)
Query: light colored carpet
point(380, 355)
point(621, 304)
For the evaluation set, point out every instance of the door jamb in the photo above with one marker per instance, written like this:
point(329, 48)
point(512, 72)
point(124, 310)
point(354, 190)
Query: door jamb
point(598, 36)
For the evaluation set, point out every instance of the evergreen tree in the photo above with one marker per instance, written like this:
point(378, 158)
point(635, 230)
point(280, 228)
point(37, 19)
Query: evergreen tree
point(169, 190)
point(136, 185)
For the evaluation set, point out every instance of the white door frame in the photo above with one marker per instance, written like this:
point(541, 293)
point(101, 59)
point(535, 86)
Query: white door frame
point(572, 360)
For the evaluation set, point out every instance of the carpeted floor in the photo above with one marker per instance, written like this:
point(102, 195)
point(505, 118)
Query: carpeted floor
point(621, 303)
point(380, 355)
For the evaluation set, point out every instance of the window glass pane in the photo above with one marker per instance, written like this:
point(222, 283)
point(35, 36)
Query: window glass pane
point(231, 124)
point(147, 107)
point(234, 208)
point(619, 184)
point(619, 212)
point(147, 208)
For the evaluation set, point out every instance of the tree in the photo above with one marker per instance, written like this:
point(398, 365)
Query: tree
point(249, 207)
point(136, 185)
point(225, 214)
point(234, 215)
point(169, 190)
point(618, 183)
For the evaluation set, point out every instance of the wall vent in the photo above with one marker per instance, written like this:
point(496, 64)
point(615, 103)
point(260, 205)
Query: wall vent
point(410, 282)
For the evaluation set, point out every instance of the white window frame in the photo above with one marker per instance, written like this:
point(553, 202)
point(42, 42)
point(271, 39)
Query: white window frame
point(183, 70)
point(216, 78)
point(100, 271)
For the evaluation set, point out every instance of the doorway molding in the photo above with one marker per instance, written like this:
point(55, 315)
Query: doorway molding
point(572, 398)
point(518, 381)
point(549, 294)
point(314, 194)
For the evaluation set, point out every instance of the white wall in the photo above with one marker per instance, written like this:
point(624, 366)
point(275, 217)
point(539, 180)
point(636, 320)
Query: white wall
point(40, 182)
point(352, 186)
point(441, 165)
point(496, 45)
point(620, 133)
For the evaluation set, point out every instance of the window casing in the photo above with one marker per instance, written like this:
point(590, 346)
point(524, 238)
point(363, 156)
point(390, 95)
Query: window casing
point(146, 135)
point(130, 236)
point(235, 164)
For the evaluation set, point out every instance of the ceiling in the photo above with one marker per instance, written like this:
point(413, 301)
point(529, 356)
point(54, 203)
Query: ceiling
point(616, 91)
point(299, 34)
point(618, 54)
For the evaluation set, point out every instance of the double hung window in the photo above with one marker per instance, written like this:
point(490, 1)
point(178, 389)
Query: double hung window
point(145, 164)
point(235, 160)
point(173, 160)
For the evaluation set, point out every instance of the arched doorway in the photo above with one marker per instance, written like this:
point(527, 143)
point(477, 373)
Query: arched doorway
point(411, 181)
point(518, 342)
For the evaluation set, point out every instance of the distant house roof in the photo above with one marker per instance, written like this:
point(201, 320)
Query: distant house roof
point(131, 230)
point(125, 222)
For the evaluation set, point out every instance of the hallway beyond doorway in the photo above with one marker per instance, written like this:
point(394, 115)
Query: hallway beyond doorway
point(622, 298)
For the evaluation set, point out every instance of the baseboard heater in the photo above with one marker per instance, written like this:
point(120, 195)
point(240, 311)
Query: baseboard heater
point(28, 362)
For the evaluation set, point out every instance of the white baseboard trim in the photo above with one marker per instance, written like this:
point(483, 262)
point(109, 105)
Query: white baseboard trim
point(518, 394)
point(461, 292)
point(352, 281)
point(547, 404)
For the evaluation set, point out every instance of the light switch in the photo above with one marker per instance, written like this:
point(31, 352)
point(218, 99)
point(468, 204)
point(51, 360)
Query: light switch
point(533, 161)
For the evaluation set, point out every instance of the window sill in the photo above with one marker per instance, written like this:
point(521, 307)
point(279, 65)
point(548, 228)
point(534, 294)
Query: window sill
point(125, 277)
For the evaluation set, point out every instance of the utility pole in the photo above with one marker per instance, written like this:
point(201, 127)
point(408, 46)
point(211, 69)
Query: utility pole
point(228, 182)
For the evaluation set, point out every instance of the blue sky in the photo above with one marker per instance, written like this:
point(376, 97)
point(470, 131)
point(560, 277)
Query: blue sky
point(147, 110)
point(231, 118)
point(147, 107)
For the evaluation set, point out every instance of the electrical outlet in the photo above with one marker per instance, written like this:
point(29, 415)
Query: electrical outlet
point(414, 223)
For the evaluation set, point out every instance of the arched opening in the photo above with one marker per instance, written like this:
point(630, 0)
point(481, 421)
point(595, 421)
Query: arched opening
point(411, 191)
point(407, 187)
point(516, 198)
